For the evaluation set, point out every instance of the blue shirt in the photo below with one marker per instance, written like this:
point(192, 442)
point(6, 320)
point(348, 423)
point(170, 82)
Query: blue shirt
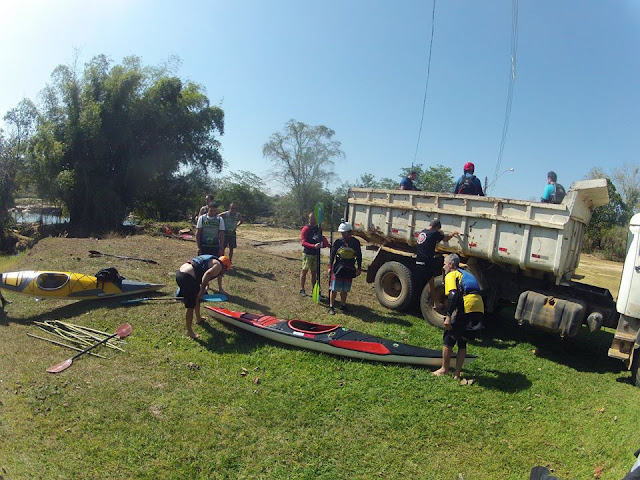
point(549, 190)
point(407, 184)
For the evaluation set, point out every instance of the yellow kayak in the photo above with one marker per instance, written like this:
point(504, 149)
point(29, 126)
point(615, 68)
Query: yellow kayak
point(78, 286)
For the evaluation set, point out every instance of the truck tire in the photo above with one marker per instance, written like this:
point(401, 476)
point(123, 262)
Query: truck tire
point(426, 304)
point(635, 368)
point(394, 286)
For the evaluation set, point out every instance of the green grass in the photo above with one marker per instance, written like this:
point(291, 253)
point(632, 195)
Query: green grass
point(169, 407)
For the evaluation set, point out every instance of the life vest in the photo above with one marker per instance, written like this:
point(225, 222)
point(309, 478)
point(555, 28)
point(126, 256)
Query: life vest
point(558, 194)
point(210, 231)
point(312, 235)
point(231, 222)
point(467, 185)
point(201, 265)
point(345, 262)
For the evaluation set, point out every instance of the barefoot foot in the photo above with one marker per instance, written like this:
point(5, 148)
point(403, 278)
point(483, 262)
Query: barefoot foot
point(192, 334)
point(440, 372)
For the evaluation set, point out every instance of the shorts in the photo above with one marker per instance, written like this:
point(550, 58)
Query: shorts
point(309, 261)
point(428, 270)
point(460, 332)
point(230, 240)
point(210, 249)
point(189, 288)
point(340, 284)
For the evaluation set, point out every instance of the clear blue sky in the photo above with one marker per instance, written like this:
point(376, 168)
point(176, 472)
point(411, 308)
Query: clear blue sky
point(359, 67)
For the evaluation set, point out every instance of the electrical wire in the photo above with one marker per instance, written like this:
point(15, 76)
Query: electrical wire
point(424, 100)
point(507, 113)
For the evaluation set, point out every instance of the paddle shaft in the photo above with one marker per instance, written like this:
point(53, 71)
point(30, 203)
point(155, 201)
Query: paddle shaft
point(96, 253)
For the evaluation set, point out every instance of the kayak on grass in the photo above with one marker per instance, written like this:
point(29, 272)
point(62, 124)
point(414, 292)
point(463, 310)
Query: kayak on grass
point(333, 339)
point(75, 286)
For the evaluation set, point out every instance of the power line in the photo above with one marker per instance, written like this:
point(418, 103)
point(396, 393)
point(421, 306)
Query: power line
point(507, 113)
point(424, 100)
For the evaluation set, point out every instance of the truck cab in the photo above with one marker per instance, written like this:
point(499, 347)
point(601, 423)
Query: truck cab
point(627, 336)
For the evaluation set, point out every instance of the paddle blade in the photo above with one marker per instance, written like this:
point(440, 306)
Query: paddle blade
point(214, 297)
point(134, 301)
point(316, 293)
point(61, 366)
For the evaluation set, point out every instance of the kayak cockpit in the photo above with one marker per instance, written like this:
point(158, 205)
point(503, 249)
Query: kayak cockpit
point(52, 281)
point(308, 327)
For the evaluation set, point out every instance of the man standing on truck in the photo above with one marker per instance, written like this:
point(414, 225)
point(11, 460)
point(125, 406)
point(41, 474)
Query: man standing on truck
point(407, 182)
point(427, 266)
point(468, 183)
point(465, 310)
point(345, 264)
point(553, 192)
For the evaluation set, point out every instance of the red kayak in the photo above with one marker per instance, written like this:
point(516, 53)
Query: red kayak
point(333, 339)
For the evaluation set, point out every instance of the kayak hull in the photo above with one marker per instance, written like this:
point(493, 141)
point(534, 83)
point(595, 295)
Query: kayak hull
point(68, 285)
point(332, 339)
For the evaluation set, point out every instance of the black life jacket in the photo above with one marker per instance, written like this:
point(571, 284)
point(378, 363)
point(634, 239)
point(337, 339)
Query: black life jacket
point(558, 194)
point(467, 185)
point(109, 275)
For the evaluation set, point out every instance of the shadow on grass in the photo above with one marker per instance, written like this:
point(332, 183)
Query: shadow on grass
point(586, 352)
point(508, 382)
point(249, 275)
point(63, 312)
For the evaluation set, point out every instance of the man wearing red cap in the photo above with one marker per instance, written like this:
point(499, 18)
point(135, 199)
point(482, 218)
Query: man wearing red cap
point(468, 183)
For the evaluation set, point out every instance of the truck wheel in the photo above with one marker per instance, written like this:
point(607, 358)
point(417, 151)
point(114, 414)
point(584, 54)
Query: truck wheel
point(435, 318)
point(394, 286)
point(635, 368)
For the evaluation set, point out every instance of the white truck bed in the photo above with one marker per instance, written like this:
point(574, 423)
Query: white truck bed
point(538, 238)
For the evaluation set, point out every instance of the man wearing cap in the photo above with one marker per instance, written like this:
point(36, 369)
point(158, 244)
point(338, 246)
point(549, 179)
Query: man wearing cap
point(193, 279)
point(468, 183)
point(344, 265)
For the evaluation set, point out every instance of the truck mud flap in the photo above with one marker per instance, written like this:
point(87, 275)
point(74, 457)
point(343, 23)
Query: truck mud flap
point(550, 313)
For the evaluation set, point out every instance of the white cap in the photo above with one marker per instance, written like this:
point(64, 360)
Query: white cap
point(345, 227)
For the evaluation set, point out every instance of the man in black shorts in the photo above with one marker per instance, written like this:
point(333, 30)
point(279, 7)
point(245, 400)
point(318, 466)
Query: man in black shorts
point(193, 278)
point(427, 266)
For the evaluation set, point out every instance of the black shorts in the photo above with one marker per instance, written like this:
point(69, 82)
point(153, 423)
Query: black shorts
point(461, 329)
point(189, 288)
point(230, 240)
point(210, 249)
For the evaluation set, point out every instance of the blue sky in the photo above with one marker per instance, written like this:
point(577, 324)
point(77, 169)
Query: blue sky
point(359, 67)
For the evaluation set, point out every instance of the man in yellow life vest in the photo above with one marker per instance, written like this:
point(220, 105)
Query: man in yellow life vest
point(465, 310)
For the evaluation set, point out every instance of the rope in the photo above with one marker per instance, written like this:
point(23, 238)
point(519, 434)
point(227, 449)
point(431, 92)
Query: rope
point(507, 113)
point(424, 100)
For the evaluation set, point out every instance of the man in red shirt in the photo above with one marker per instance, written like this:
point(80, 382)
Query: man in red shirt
point(312, 241)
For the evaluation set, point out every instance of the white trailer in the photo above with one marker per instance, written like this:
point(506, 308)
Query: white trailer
point(522, 251)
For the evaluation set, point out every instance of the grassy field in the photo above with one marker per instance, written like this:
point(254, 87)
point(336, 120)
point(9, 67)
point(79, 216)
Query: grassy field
point(233, 405)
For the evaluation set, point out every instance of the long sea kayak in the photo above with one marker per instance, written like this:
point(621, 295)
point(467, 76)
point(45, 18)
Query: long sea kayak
point(77, 286)
point(333, 339)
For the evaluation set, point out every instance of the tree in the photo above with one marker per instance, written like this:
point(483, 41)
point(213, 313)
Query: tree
point(246, 191)
point(604, 233)
point(304, 157)
point(628, 180)
point(110, 137)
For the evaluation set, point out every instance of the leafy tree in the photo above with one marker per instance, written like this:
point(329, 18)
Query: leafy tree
point(628, 179)
point(246, 191)
point(604, 233)
point(114, 134)
point(304, 157)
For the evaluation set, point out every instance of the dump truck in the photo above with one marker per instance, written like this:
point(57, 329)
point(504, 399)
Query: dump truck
point(519, 251)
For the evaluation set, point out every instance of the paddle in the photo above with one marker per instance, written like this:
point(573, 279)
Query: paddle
point(122, 331)
point(215, 297)
point(95, 253)
point(316, 295)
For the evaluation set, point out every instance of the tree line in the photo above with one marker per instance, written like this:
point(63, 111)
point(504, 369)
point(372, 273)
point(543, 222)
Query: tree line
point(111, 139)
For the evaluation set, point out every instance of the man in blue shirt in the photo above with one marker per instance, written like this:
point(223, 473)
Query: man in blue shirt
point(468, 183)
point(553, 192)
point(407, 182)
